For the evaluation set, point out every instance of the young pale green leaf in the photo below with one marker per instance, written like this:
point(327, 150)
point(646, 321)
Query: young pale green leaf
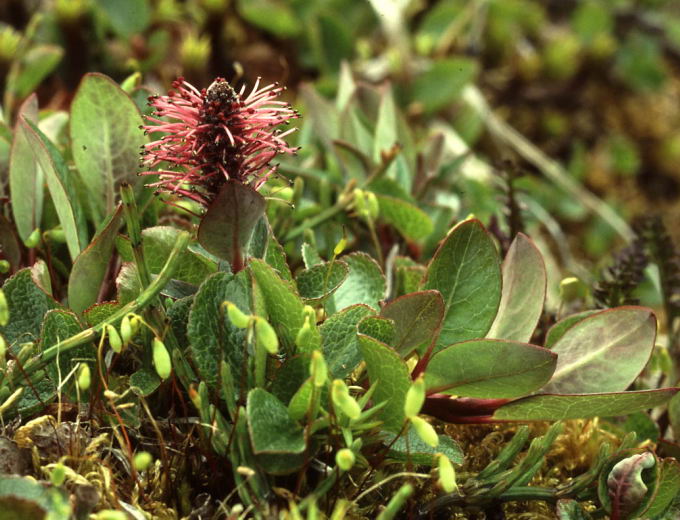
point(382, 329)
point(412, 222)
point(317, 283)
point(28, 304)
point(91, 264)
point(557, 331)
point(212, 336)
point(271, 428)
point(490, 368)
point(466, 271)
point(365, 284)
point(26, 179)
point(624, 488)
point(392, 376)
point(417, 319)
point(61, 185)
point(228, 224)
point(340, 343)
point(158, 242)
point(604, 352)
point(106, 139)
point(524, 285)
point(555, 407)
point(284, 306)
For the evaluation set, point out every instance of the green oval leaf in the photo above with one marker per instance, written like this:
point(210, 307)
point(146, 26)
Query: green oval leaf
point(284, 306)
point(556, 407)
point(417, 318)
point(106, 139)
point(27, 304)
point(489, 368)
point(319, 282)
point(26, 179)
point(412, 222)
point(365, 284)
point(604, 352)
point(340, 343)
point(466, 271)
point(211, 334)
point(228, 224)
point(524, 285)
point(271, 428)
point(392, 375)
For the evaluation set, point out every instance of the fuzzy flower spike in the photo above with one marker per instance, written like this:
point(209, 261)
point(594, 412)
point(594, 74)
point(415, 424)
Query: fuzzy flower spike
point(214, 135)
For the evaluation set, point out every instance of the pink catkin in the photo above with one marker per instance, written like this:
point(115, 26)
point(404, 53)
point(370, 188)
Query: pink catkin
point(214, 135)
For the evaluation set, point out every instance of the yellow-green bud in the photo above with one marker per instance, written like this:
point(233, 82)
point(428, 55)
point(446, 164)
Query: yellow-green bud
point(133, 81)
point(195, 397)
point(447, 475)
point(84, 376)
point(307, 338)
point(572, 289)
point(4, 266)
point(310, 313)
point(3, 350)
point(25, 352)
point(195, 51)
point(161, 359)
point(266, 335)
point(360, 201)
point(425, 431)
point(345, 459)
point(318, 369)
point(135, 324)
point(372, 205)
point(343, 400)
point(142, 460)
point(340, 246)
point(237, 317)
point(58, 474)
point(33, 239)
point(4, 309)
point(125, 330)
point(114, 339)
point(56, 235)
point(415, 397)
point(286, 193)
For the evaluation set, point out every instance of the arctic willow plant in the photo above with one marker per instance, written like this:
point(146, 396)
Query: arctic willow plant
point(319, 371)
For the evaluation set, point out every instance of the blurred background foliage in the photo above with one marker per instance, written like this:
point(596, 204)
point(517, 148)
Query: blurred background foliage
point(565, 110)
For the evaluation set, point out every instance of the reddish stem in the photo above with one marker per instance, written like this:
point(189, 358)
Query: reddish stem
point(463, 410)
